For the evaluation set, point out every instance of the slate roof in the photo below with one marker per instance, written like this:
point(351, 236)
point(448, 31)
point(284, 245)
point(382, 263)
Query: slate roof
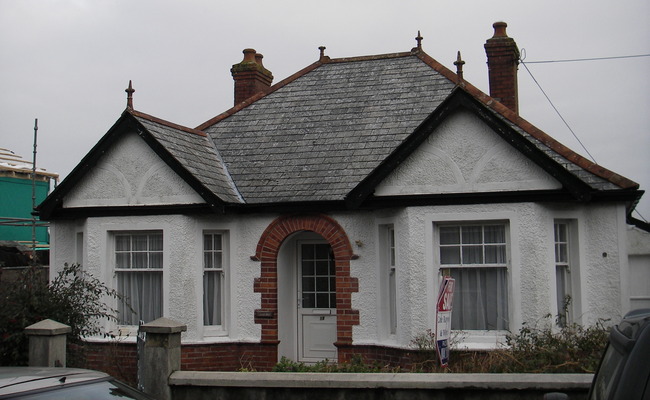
point(195, 151)
point(333, 130)
point(318, 136)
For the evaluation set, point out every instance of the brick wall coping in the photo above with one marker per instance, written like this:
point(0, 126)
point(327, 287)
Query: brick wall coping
point(382, 380)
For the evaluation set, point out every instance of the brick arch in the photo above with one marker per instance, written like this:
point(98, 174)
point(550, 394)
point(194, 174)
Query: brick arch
point(267, 284)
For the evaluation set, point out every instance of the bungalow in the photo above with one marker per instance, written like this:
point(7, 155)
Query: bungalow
point(315, 219)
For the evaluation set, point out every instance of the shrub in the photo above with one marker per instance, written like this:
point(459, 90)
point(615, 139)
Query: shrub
point(355, 365)
point(74, 298)
point(568, 349)
point(571, 349)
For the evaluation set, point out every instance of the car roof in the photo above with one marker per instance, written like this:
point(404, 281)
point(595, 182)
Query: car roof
point(633, 324)
point(21, 379)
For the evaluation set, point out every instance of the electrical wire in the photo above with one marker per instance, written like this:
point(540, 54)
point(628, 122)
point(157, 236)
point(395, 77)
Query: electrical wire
point(641, 216)
point(523, 56)
point(556, 110)
point(588, 59)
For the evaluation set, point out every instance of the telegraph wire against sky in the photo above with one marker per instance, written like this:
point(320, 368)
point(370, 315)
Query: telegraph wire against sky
point(585, 59)
point(523, 57)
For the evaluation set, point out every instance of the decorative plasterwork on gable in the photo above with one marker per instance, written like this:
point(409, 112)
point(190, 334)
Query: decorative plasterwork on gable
point(464, 155)
point(131, 174)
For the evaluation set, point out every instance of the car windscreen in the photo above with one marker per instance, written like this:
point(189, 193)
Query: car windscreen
point(606, 377)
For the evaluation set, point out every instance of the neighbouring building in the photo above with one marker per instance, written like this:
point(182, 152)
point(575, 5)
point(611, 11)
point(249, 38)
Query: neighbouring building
point(20, 232)
point(314, 219)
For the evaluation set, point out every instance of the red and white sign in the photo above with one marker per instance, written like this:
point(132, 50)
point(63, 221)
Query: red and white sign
point(443, 318)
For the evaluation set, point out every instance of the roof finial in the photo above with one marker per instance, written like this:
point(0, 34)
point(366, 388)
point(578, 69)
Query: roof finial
point(129, 96)
point(459, 67)
point(418, 39)
point(323, 57)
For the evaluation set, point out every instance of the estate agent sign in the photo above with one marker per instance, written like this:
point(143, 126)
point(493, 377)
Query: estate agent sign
point(443, 318)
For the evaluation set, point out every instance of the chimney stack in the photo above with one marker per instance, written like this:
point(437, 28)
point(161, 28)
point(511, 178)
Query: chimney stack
point(503, 60)
point(250, 76)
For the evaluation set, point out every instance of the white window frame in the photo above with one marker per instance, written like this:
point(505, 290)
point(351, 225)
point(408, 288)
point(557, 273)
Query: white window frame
point(131, 328)
point(216, 329)
point(570, 267)
point(475, 340)
point(388, 279)
point(445, 268)
point(392, 278)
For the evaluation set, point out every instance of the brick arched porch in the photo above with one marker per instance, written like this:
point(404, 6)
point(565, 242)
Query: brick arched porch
point(267, 284)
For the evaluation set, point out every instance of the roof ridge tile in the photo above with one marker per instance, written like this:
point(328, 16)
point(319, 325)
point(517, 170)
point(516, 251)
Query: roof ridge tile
point(166, 123)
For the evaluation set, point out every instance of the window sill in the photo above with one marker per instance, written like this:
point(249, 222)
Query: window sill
point(213, 332)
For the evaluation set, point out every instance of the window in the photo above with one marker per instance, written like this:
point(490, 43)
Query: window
point(387, 257)
point(318, 280)
point(391, 270)
point(138, 267)
point(213, 278)
point(562, 272)
point(475, 255)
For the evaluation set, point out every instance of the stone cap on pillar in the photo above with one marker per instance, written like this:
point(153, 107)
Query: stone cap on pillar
point(163, 325)
point(47, 327)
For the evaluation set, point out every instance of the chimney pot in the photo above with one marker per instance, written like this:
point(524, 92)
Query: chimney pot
point(500, 29)
point(249, 56)
point(250, 76)
point(258, 59)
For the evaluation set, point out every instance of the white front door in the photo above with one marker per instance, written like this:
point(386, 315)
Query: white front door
point(316, 302)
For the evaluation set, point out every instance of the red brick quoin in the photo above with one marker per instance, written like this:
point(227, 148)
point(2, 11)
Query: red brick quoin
point(267, 284)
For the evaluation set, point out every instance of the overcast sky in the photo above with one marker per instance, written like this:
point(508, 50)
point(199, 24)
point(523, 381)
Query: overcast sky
point(67, 63)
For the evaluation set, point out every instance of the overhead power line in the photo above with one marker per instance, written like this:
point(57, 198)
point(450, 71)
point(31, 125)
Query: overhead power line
point(587, 59)
point(556, 110)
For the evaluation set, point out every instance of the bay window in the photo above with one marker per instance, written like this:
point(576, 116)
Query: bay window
point(475, 254)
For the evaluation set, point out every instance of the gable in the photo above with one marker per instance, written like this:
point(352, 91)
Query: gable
point(130, 173)
point(464, 155)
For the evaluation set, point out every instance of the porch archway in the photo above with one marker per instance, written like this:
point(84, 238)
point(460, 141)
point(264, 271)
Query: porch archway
point(267, 284)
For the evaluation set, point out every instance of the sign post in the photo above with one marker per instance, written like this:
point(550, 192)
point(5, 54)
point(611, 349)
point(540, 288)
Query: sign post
point(443, 318)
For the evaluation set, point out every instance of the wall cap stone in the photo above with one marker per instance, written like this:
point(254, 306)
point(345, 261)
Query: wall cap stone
point(163, 325)
point(382, 380)
point(47, 327)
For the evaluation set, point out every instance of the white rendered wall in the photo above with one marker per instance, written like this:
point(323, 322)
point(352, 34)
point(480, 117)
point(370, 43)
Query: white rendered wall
point(531, 274)
point(638, 288)
point(130, 173)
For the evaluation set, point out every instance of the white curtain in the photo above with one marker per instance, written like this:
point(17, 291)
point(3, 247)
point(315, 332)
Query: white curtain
point(143, 292)
point(212, 297)
point(141, 288)
point(480, 299)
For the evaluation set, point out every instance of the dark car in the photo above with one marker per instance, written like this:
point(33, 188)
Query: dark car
point(624, 371)
point(62, 383)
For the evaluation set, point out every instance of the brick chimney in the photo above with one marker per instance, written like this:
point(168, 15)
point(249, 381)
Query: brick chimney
point(503, 60)
point(250, 76)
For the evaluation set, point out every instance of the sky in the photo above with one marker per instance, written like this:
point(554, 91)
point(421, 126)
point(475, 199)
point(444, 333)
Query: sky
point(68, 62)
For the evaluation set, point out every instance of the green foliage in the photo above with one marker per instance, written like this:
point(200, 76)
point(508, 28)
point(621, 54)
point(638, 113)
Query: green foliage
point(74, 298)
point(355, 365)
point(572, 348)
point(546, 349)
